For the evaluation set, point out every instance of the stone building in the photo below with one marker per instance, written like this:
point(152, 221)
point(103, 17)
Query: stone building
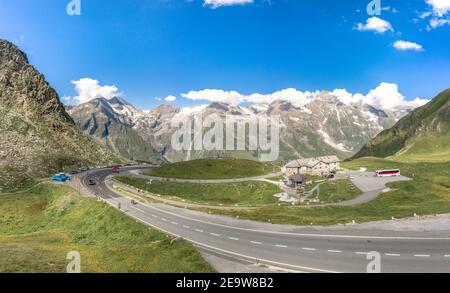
point(320, 166)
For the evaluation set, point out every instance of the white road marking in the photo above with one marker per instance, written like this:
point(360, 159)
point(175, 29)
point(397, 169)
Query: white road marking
point(302, 268)
point(309, 249)
point(174, 223)
point(164, 219)
point(198, 230)
point(140, 210)
point(447, 255)
point(335, 251)
point(233, 238)
point(422, 255)
point(297, 234)
point(362, 253)
point(214, 234)
point(392, 254)
point(154, 216)
point(186, 227)
point(256, 242)
point(280, 246)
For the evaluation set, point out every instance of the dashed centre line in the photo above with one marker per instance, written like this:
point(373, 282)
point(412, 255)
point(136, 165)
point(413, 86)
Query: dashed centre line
point(186, 227)
point(233, 238)
point(256, 242)
point(309, 249)
point(422, 255)
point(281, 246)
point(198, 230)
point(335, 251)
point(392, 254)
point(214, 234)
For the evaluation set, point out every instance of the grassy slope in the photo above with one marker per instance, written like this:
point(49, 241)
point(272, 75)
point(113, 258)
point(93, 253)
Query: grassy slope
point(420, 136)
point(213, 169)
point(428, 193)
point(252, 192)
point(38, 229)
point(337, 191)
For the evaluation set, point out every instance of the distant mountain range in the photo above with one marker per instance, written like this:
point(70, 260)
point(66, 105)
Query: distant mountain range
point(37, 136)
point(325, 126)
point(422, 135)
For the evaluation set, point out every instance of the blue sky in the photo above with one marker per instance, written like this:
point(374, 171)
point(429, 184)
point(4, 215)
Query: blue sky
point(158, 48)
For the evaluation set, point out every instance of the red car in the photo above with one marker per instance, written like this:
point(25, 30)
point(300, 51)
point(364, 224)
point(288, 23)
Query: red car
point(116, 170)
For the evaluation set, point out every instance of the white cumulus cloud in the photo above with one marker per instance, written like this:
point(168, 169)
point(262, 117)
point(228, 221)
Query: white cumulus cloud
point(213, 95)
point(407, 46)
point(219, 3)
point(440, 7)
point(438, 13)
point(385, 97)
point(89, 89)
point(375, 24)
point(297, 98)
point(170, 99)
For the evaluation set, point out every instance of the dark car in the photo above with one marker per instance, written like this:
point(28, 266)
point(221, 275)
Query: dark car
point(92, 182)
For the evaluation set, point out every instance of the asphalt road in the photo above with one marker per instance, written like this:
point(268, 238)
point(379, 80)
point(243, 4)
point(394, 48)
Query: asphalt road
point(327, 251)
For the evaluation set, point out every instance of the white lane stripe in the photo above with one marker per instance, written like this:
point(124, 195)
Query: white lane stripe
point(164, 219)
point(421, 255)
point(186, 227)
point(214, 234)
point(281, 246)
point(233, 238)
point(447, 255)
point(154, 216)
point(138, 209)
point(362, 253)
point(309, 249)
point(392, 254)
point(335, 251)
point(174, 223)
point(293, 234)
point(256, 242)
point(234, 253)
point(198, 230)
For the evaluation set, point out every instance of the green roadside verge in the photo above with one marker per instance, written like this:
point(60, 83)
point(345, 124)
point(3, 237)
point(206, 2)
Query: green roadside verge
point(242, 193)
point(39, 227)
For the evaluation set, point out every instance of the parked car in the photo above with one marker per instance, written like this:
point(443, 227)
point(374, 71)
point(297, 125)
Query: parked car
point(116, 170)
point(61, 177)
point(92, 182)
point(74, 172)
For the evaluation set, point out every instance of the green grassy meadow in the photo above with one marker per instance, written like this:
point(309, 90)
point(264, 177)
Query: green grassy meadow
point(213, 169)
point(243, 193)
point(428, 193)
point(39, 227)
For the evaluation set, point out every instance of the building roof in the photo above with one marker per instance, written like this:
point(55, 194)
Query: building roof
point(297, 178)
point(312, 162)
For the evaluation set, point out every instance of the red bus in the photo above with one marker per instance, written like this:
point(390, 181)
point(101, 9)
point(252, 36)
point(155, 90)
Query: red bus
point(388, 173)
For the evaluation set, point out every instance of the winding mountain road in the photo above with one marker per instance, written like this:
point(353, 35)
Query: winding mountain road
point(301, 249)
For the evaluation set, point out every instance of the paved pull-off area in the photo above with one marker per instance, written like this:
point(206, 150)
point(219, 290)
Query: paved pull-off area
point(303, 249)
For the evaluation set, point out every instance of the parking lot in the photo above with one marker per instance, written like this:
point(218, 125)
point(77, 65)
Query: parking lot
point(368, 181)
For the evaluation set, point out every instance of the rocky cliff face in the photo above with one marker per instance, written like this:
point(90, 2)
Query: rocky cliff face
point(37, 135)
point(325, 126)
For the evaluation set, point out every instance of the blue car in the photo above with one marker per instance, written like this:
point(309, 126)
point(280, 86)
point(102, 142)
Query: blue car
point(60, 177)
